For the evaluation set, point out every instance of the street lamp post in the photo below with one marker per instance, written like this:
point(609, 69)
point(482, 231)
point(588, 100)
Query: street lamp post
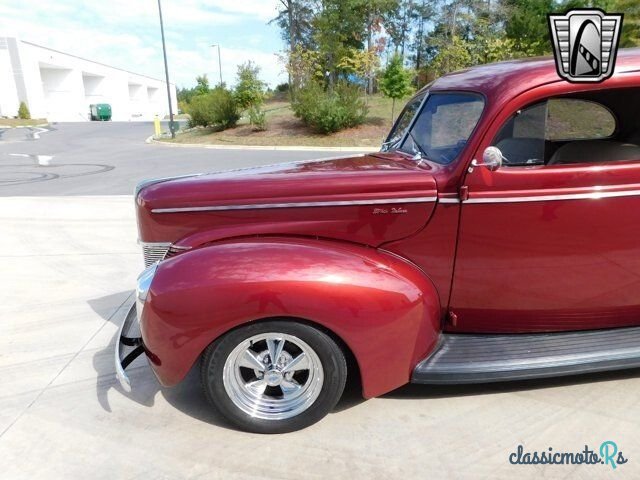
point(219, 62)
point(166, 73)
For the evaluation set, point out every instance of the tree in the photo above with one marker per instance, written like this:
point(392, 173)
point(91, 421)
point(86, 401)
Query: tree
point(185, 95)
point(374, 12)
point(396, 81)
point(526, 24)
point(362, 63)
point(303, 66)
point(424, 10)
point(399, 23)
point(202, 85)
point(452, 55)
point(294, 20)
point(339, 27)
point(630, 35)
point(23, 111)
point(249, 90)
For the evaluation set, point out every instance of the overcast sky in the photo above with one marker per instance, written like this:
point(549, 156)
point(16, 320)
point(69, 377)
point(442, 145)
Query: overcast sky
point(126, 34)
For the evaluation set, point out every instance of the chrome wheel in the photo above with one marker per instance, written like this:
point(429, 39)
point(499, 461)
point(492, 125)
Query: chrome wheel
point(273, 376)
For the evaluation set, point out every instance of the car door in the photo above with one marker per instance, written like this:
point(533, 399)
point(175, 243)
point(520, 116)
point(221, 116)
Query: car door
point(551, 240)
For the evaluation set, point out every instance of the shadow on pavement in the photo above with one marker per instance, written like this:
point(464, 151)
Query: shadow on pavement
point(416, 391)
point(187, 396)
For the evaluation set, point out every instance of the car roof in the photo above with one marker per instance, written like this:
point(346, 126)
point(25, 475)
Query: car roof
point(513, 77)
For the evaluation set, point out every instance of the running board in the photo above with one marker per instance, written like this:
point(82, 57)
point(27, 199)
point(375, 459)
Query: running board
point(474, 358)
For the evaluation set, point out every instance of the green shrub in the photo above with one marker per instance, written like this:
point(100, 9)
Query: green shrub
point(200, 111)
point(332, 110)
point(183, 106)
point(23, 111)
point(282, 87)
point(216, 108)
point(258, 119)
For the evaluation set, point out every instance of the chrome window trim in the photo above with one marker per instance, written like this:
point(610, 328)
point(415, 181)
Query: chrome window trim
point(346, 203)
point(550, 198)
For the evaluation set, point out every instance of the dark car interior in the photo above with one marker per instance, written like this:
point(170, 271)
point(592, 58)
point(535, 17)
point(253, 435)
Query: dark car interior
point(593, 127)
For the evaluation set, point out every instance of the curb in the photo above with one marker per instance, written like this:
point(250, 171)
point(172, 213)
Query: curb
point(40, 125)
point(300, 148)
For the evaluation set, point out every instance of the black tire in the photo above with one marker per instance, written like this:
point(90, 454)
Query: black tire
point(329, 353)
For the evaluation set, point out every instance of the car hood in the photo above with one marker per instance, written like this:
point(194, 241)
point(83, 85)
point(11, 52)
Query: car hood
point(368, 199)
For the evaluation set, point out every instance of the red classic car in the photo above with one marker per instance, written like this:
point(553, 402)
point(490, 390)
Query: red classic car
point(495, 237)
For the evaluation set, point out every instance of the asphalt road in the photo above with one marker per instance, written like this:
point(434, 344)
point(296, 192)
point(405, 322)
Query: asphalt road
point(109, 158)
point(69, 261)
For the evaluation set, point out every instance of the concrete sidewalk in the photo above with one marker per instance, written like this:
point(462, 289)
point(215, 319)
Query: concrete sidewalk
point(68, 269)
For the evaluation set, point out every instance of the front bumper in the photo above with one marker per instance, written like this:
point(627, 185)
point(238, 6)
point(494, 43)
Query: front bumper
point(128, 346)
point(125, 342)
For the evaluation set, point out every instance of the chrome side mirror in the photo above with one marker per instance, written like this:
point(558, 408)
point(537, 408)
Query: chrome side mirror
point(491, 159)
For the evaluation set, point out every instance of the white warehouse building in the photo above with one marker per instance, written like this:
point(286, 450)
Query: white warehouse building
point(60, 87)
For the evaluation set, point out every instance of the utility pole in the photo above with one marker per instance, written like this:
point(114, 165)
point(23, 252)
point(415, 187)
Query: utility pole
point(219, 62)
point(166, 73)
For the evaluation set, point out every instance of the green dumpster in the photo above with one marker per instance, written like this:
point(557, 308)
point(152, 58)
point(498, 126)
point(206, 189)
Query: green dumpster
point(100, 111)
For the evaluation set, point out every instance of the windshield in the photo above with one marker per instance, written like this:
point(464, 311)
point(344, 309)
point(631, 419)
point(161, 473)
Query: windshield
point(443, 126)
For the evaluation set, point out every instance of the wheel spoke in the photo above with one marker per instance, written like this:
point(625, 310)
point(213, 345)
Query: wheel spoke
point(301, 362)
point(275, 346)
point(262, 376)
point(289, 386)
point(257, 386)
point(250, 360)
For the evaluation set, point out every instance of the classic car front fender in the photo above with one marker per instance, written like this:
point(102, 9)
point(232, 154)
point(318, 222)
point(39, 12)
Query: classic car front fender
point(384, 309)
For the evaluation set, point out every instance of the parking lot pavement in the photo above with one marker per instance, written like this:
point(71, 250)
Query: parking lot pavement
point(110, 158)
point(68, 268)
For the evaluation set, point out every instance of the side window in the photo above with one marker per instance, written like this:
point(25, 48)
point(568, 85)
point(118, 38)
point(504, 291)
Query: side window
point(562, 131)
point(522, 139)
point(573, 119)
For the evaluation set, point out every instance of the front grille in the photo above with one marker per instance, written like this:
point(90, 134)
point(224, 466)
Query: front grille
point(154, 252)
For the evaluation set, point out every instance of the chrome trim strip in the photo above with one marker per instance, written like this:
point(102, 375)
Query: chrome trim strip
point(154, 244)
point(549, 198)
point(345, 203)
point(448, 200)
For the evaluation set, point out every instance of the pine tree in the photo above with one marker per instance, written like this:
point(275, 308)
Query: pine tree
point(23, 111)
point(395, 82)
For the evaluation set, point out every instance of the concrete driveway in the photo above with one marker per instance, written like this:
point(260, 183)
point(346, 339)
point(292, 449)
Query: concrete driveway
point(69, 264)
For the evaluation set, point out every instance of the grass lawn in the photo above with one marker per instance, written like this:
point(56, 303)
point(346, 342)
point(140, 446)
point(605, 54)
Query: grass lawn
point(283, 128)
point(18, 122)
